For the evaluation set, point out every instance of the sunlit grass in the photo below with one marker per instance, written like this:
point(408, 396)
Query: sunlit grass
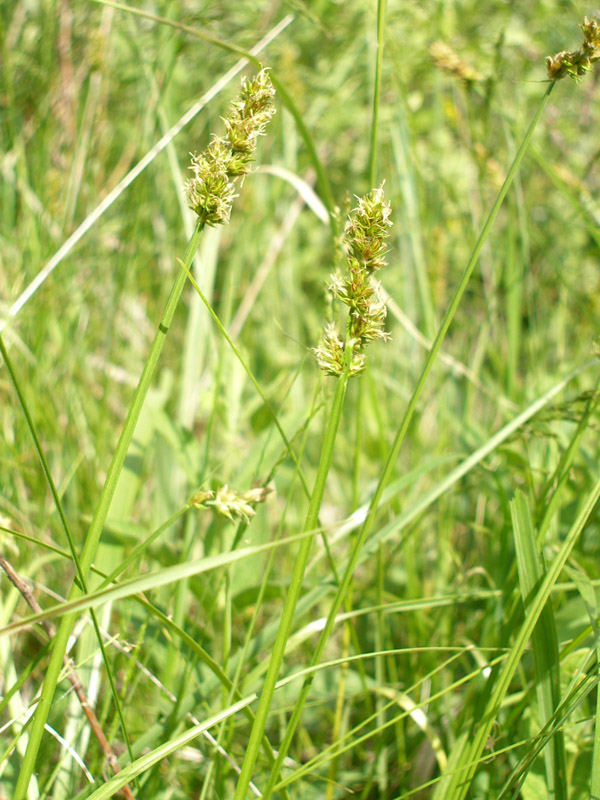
point(428, 677)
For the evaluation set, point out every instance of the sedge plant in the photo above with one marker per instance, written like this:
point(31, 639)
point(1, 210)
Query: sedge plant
point(216, 176)
point(217, 172)
point(469, 750)
point(342, 357)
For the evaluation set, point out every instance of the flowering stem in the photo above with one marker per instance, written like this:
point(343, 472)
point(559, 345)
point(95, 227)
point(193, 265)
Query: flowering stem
point(291, 600)
point(101, 512)
point(397, 444)
point(379, 663)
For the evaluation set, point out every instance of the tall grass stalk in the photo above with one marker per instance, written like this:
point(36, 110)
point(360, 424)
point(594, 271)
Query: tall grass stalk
point(92, 539)
point(210, 193)
point(364, 243)
point(295, 588)
point(399, 439)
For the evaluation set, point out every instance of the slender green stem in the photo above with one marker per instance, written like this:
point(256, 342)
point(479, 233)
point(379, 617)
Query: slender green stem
point(376, 93)
point(287, 616)
point(268, 405)
point(45, 467)
point(81, 576)
point(397, 444)
point(98, 520)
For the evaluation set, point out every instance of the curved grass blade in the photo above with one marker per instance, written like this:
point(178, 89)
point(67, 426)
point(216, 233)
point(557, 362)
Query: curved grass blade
point(466, 766)
point(544, 643)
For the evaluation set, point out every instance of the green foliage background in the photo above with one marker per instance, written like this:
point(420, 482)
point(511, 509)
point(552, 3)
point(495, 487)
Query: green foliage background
point(85, 91)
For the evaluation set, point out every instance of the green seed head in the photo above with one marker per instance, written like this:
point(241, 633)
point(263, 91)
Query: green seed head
point(231, 503)
point(211, 189)
point(576, 63)
point(364, 244)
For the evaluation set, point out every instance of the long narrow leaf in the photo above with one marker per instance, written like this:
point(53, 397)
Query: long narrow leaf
point(460, 781)
point(145, 583)
point(544, 643)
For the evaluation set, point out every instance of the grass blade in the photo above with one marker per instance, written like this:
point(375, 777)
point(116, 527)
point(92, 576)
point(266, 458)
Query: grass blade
point(544, 643)
point(466, 766)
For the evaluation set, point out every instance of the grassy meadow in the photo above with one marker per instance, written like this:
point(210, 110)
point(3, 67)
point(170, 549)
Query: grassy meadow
point(226, 573)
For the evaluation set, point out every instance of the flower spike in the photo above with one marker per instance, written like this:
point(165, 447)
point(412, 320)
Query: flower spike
point(576, 63)
point(365, 248)
point(211, 190)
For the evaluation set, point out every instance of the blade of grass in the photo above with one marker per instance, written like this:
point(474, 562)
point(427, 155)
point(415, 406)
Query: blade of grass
point(153, 580)
point(544, 643)
point(461, 779)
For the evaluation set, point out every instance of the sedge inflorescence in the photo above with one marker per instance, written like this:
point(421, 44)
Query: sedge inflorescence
point(448, 59)
point(211, 189)
point(576, 63)
point(364, 244)
point(229, 502)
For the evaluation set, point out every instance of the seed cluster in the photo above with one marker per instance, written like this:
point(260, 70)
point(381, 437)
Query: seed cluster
point(576, 63)
point(211, 190)
point(365, 248)
point(448, 59)
point(229, 502)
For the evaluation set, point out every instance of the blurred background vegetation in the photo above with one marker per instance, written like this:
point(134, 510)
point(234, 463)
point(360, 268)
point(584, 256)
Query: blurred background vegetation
point(86, 90)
